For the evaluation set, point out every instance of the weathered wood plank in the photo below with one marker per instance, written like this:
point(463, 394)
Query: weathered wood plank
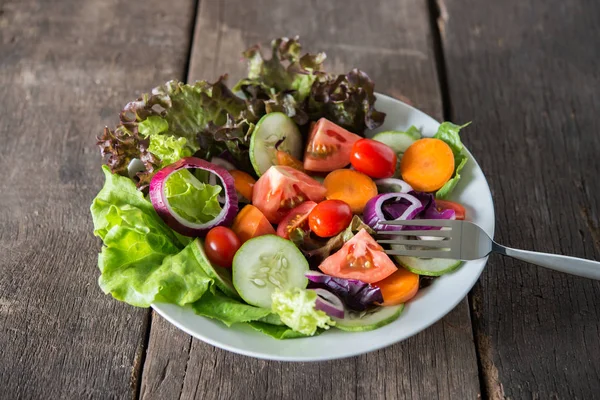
point(67, 69)
point(392, 42)
point(527, 73)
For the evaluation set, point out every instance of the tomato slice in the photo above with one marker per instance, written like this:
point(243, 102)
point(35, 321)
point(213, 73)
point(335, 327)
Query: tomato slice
point(360, 258)
point(450, 205)
point(296, 218)
point(329, 147)
point(250, 223)
point(282, 188)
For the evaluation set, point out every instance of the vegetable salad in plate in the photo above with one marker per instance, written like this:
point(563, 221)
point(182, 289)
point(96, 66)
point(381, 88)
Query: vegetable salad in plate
point(262, 209)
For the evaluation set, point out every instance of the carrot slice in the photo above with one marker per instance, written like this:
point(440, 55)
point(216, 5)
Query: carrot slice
point(250, 223)
point(243, 183)
point(427, 164)
point(399, 287)
point(289, 160)
point(352, 187)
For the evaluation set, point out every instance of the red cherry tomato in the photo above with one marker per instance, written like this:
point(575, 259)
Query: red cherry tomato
point(450, 205)
point(329, 218)
point(221, 245)
point(373, 158)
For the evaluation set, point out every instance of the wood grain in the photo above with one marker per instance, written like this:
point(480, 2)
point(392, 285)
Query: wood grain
point(67, 69)
point(527, 73)
point(392, 42)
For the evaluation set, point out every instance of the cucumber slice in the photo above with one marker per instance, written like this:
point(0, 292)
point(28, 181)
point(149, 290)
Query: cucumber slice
point(360, 322)
point(274, 129)
point(222, 276)
point(264, 264)
point(428, 266)
point(398, 140)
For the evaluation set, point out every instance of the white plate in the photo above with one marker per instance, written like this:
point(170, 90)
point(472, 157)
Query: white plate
point(428, 307)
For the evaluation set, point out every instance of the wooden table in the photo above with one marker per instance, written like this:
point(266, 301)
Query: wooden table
point(527, 73)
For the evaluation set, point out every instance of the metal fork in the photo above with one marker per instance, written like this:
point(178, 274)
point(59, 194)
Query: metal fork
point(464, 240)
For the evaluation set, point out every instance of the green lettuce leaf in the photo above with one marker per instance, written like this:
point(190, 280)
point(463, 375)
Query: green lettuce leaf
point(278, 331)
point(142, 260)
point(296, 308)
point(449, 133)
point(449, 186)
point(169, 148)
point(216, 305)
point(193, 200)
point(153, 125)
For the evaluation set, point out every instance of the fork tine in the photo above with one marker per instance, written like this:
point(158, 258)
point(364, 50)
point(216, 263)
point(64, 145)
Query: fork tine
point(432, 232)
point(419, 222)
point(424, 243)
point(421, 253)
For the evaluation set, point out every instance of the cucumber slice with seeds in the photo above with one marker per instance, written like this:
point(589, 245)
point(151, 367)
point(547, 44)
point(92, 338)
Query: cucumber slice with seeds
point(275, 131)
point(267, 263)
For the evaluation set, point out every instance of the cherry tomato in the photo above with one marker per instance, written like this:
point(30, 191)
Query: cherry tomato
point(373, 158)
point(220, 246)
point(329, 218)
point(450, 205)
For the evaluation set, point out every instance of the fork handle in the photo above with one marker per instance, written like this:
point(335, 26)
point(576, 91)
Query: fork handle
point(570, 265)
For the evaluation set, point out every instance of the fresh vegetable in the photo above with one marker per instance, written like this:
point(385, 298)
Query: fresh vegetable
point(220, 276)
point(329, 303)
point(360, 258)
point(448, 133)
point(217, 305)
point(285, 158)
point(426, 266)
point(459, 210)
point(278, 332)
point(282, 188)
point(274, 132)
point(352, 187)
point(169, 198)
point(329, 218)
point(243, 183)
point(430, 211)
point(373, 158)
point(389, 207)
point(267, 263)
point(427, 164)
point(174, 121)
point(296, 308)
point(399, 287)
point(399, 141)
point(298, 86)
point(329, 147)
point(296, 219)
point(449, 186)
point(355, 294)
point(319, 251)
point(251, 223)
point(191, 199)
point(220, 245)
point(392, 185)
point(368, 320)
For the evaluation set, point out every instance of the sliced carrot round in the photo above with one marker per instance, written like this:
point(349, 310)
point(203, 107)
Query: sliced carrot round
point(352, 187)
point(243, 183)
point(399, 287)
point(284, 158)
point(427, 164)
point(251, 223)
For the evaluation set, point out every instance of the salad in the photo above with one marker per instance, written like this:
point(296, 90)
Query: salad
point(262, 209)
